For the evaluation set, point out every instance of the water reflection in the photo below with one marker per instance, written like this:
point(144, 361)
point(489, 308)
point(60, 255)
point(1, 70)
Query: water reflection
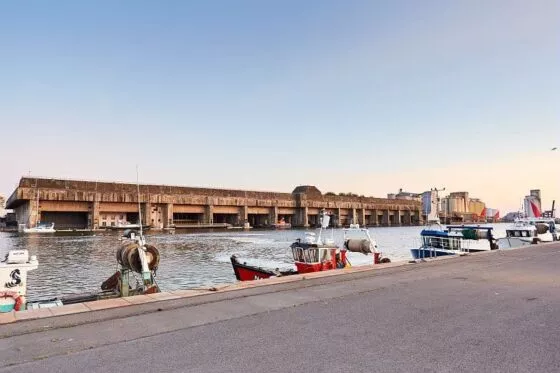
point(75, 264)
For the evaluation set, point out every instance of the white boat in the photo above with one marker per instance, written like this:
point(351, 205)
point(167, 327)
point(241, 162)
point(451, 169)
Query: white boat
point(527, 231)
point(41, 228)
point(436, 240)
point(454, 239)
point(13, 279)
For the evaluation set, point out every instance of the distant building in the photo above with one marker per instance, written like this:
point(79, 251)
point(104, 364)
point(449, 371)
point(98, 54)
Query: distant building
point(492, 215)
point(532, 204)
point(405, 195)
point(477, 207)
point(548, 214)
point(428, 199)
point(430, 205)
point(511, 216)
point(459, 207)
point(3, 210)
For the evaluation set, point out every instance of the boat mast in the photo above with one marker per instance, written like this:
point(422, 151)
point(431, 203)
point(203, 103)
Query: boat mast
point(146, 273)
point(138, 197)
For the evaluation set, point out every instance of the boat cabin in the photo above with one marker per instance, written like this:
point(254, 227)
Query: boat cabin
point(314, 257)
point(456, 237)
point(441, 239)
point(527, 231)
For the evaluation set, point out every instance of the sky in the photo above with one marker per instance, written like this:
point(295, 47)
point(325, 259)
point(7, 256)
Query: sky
point(350, 96)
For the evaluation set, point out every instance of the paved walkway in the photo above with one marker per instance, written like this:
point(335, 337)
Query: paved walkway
point(492, 312)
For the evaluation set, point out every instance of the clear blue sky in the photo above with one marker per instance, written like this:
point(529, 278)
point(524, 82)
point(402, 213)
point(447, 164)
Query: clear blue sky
point(364, 96)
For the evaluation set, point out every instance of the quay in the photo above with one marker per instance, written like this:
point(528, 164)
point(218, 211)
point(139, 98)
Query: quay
point(495, 311)
point(76, 204)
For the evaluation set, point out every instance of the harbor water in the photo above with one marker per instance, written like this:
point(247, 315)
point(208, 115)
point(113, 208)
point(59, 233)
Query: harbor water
point(71, 264)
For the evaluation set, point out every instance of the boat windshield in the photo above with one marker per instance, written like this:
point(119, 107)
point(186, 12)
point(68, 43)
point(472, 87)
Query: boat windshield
point(519, 233)
point(311, 255)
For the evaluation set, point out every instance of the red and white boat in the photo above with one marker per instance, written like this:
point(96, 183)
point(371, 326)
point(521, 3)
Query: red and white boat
point(315, 254)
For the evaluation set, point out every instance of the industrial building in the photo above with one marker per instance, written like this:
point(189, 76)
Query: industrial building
point(78, 204)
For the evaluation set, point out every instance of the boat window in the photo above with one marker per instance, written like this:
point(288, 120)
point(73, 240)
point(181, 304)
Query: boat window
point(455, 244)
point(325, 255)
point(313, 255)
point(297, 252)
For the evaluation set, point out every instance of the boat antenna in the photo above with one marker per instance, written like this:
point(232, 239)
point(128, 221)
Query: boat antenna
point(138, 197)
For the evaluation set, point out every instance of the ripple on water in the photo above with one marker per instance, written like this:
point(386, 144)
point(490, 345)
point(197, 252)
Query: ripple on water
point(74, 264)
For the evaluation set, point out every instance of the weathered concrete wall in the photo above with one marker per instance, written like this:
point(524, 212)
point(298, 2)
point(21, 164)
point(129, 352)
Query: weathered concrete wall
point(159, 203)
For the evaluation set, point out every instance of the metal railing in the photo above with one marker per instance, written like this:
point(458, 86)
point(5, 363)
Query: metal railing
point(430, 245)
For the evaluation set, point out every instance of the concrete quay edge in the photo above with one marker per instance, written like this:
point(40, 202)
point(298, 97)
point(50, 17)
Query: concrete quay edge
point(22, 322)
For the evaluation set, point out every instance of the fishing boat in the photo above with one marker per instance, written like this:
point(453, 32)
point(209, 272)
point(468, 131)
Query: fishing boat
point(314, 253)
point(133, 257)
point(245, 272)
point(13, 279)
point(454, 239)
point(527, 231)
point(437, 240)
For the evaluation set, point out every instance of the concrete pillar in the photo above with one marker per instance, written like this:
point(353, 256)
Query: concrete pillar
point(407, 217)
point(374, 218)
point(168, 216)
point(338, 219)
point(386, 220)
point(303, 218)
point(209, 214)
point(93, 215)
point(243, 215)
point(398, 217)
point(417, 218)
point(354, 218)
point(22, 213)
point(362, 217)
point(29, 214)
point(33, 214)
point(146, 213)
point(273, 215)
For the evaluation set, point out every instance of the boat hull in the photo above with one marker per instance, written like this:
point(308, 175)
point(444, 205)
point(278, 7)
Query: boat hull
point(245, 272)
point(426, 253)
point(314, 267)
point(33, 230)
point(513, 243)
point(7, 304)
